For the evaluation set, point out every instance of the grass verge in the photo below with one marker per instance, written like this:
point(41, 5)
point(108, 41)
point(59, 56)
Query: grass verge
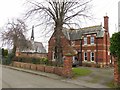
point(80, 72)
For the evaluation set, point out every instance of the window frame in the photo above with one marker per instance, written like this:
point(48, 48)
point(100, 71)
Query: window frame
point(92, 56)
point(85, 40)
point(92, 40)
point(85, 56)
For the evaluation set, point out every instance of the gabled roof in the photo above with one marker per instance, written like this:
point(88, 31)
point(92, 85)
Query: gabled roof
point(35, 47)
point(75, 34)
point(38, 46)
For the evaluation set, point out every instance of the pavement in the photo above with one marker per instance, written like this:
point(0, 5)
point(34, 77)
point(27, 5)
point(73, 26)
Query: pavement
point(76, 81)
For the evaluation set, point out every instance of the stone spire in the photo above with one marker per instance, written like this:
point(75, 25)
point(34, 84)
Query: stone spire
point(32, 34)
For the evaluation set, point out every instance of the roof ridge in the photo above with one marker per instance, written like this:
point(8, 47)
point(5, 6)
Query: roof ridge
point(72, 29)
point(90, 27)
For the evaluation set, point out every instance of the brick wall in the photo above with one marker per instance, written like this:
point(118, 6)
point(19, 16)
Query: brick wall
point(27, 54)
point(49, 69)
point(58, 71)
point(33, 67)
point(65, 71)
point(41, 68)
point(65, 44)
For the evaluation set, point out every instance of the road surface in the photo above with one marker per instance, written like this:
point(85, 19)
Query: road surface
point(18, 79)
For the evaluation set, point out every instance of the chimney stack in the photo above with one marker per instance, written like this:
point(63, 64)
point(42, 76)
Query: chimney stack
point(106, 23)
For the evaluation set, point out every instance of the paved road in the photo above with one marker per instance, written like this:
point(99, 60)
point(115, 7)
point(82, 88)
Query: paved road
point(17, 79)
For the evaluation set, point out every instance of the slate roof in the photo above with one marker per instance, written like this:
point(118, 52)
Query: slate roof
point(75, 34)
point(35, 47)
point(38, 47)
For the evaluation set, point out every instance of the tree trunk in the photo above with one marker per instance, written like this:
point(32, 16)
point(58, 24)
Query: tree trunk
point(14, 50)
point(58, 45)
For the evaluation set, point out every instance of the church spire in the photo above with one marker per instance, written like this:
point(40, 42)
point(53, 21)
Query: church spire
point(32, 34)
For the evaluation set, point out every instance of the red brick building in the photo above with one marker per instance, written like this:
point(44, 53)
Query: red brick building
point(89, 44)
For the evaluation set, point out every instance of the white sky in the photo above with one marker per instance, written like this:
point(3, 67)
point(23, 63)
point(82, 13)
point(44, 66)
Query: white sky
point(14, 8)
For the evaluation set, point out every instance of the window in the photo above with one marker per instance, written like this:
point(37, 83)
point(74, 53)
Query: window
point(92, 40)
point(53, 56)
point(85, 56)
point(92, 56)
point(85, 40)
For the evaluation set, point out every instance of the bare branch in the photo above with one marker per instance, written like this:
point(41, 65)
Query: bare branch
point(59, 13)
point(14, 34)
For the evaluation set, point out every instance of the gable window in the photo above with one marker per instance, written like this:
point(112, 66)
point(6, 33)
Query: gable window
point(92, 40)
point(92, 56)
point(85, 40)
point(85, 56)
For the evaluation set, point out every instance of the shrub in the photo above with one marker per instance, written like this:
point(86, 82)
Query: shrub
point(8, 59)
point(31, 60)
point(44, 61)
point(34, 61)
point(115, 47)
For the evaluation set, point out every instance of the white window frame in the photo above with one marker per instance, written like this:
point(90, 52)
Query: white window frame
point(85, 40)
point(92, 56)
point(85, 56)
point(92, 38)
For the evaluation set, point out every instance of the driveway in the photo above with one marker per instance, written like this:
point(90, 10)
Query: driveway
point(100, 76)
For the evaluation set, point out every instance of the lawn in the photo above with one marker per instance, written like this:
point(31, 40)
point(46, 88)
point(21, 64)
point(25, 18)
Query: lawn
point(80, 72)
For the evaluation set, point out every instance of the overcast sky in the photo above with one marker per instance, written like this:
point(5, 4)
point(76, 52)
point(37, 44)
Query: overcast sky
point(14, 8)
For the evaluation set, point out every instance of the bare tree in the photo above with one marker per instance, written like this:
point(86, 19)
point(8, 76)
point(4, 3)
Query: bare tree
point(59, 13)
point(14, 34)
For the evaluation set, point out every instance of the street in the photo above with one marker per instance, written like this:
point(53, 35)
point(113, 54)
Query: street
point(17, 79)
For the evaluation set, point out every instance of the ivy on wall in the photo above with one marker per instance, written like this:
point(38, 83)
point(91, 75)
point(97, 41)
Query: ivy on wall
point(115, 47)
